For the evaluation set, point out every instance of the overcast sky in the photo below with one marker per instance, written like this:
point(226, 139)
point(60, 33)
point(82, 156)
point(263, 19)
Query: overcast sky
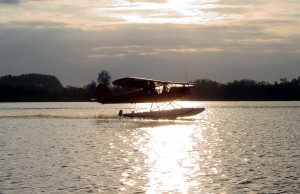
point(222, 40)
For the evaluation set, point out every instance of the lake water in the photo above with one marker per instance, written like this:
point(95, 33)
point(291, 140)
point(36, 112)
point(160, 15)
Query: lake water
point(231, 147)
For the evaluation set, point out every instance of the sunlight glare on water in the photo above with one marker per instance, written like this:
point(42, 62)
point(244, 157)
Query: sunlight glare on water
point(170, 159)
point(231, 147)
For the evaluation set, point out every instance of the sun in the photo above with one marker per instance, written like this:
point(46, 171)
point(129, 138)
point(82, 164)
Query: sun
point(160, 12)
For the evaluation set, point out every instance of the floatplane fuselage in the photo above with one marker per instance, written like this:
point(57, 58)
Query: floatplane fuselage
point(104, 96)
point(149, 91)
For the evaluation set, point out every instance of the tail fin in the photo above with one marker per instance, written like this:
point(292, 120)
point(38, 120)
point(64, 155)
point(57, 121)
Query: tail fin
point(102, 92)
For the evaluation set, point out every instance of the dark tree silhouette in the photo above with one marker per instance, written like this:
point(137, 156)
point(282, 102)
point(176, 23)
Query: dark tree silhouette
point(206, 89)
point(35, 80)
point(90, 90)
point(38, 87)
point(246, 89)
point(104, 78)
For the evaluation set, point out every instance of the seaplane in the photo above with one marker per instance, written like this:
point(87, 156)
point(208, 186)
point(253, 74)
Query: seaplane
point(161, 95)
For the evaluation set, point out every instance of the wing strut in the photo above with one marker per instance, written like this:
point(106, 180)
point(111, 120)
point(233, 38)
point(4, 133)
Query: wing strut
point(164, 105)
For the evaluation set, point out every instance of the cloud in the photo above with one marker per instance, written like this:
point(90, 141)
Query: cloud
point(136, 50)
point(99, 14)
point(10, 1)
point(220, 40)
point(147, 52)
point(149, 1)
point(255, 41)
point(123, 12)
point(35, 24)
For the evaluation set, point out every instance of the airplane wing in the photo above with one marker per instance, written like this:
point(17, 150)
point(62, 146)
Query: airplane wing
point(144, 83)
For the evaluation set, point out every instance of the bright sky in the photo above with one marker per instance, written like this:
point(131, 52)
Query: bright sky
point(220, 40)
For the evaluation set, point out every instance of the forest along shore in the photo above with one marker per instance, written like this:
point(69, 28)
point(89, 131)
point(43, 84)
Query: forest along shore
point(48, 88)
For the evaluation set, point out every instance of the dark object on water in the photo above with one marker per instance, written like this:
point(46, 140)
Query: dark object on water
point(149, 90)
point(164, 114)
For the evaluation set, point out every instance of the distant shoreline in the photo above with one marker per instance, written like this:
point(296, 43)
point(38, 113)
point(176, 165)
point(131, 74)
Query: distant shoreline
point(150, 102)
point(47, 88)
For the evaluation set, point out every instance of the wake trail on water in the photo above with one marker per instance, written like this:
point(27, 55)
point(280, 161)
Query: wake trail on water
point(98, 117)
point(45, 116)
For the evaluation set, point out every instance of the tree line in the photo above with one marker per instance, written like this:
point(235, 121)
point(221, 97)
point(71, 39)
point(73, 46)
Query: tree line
point(40, 88)
point(247, 90)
